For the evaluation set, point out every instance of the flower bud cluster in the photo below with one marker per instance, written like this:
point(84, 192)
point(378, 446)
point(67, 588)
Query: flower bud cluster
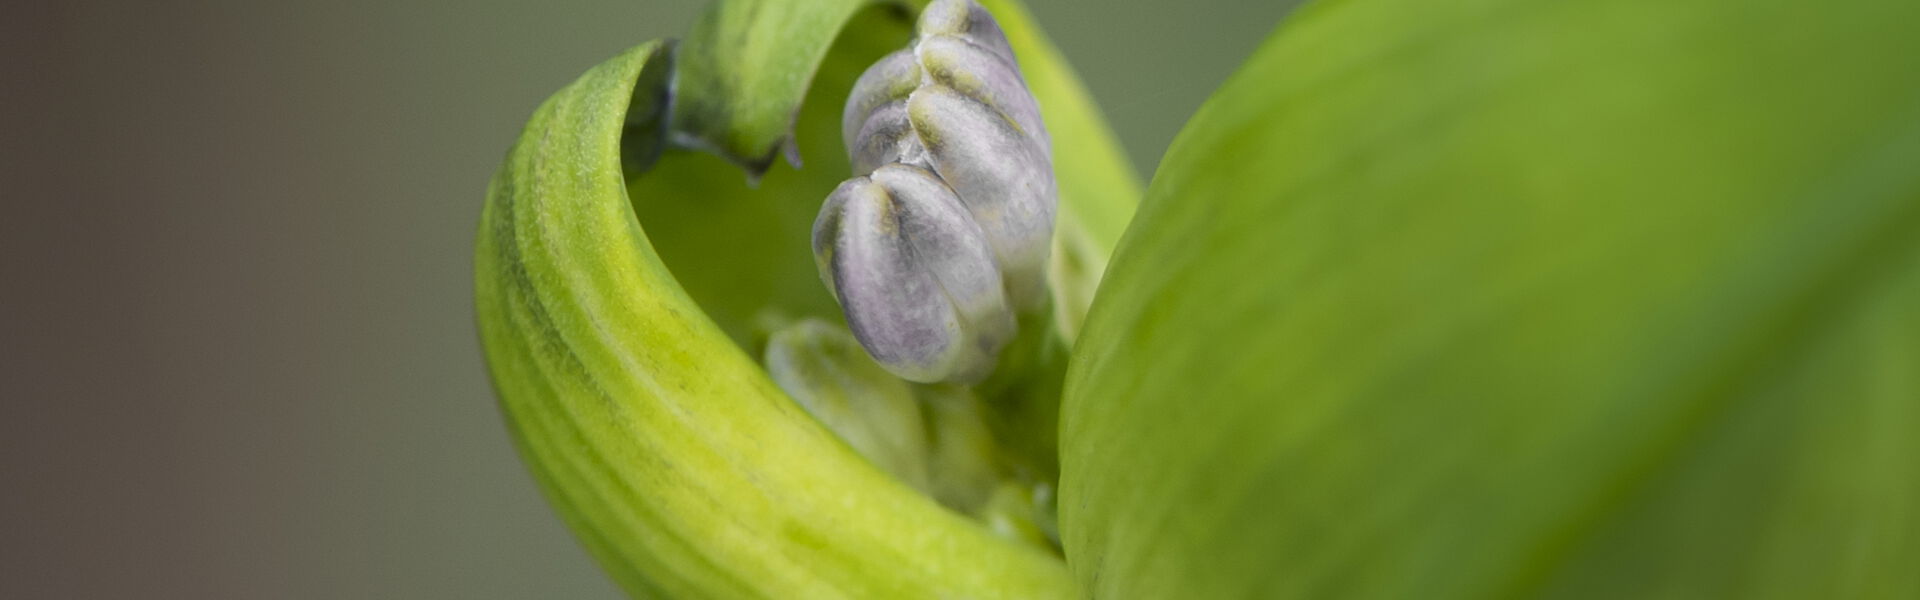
point(945, 232)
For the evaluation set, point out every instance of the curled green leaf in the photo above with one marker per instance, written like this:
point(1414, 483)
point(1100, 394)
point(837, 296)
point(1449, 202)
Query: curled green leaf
point(625, 275)
point(659, 439)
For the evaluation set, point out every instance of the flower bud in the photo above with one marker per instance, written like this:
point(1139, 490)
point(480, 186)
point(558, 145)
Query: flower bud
point(874, 125)
point(967, 20)
point(914, 275)
point(820, 366)
point(1005, 181)
point(951, 112)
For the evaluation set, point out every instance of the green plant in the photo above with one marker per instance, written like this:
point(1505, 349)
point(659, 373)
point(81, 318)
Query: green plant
point(1490, 298)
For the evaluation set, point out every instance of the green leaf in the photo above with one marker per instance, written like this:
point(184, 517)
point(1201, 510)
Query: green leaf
point(626, 273)
point(744, 69)
point(1498, 298)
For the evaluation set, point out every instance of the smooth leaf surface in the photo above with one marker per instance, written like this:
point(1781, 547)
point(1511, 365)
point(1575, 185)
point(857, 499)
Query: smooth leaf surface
point(621, 292)
point(1499, 298)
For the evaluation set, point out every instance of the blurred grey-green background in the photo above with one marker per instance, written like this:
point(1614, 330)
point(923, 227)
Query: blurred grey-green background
point(236, 330)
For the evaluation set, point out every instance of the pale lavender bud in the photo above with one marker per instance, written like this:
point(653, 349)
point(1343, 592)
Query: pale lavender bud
point(950, 113)
point(914, 275)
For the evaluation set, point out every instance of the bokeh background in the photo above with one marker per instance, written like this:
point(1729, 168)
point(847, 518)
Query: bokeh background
point(237, 355)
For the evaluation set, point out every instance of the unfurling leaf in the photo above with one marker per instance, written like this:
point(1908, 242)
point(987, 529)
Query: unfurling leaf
point(626, 272)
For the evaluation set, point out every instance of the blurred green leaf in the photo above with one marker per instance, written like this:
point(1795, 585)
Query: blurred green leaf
point(623, 273)
point(1499, 298)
